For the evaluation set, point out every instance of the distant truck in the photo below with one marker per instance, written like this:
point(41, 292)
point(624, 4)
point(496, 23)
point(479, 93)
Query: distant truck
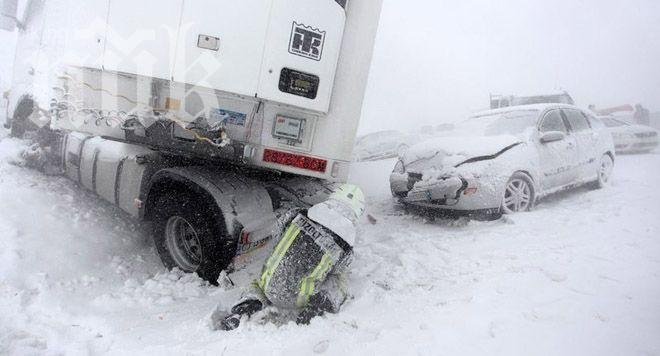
point(201, 117)
point(502, 101)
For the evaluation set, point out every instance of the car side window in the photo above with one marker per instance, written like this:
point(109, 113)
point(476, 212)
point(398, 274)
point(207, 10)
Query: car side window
point(577, 121)
point(552, 121)
point(591, 120)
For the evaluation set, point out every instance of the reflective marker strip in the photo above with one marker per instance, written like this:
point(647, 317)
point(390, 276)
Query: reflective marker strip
point(353, 202)
point(308, 284)
point(274, 261)
point(278, 255)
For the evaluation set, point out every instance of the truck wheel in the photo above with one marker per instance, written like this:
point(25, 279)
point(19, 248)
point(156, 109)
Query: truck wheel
point(20, 122)
point(189, 236)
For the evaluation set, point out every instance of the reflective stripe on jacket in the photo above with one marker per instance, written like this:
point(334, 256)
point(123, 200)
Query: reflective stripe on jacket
point(300, 263)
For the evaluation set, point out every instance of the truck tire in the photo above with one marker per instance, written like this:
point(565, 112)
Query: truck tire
point(188, 235)
point(20, 122)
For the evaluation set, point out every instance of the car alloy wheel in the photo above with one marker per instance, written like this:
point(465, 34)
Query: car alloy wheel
point(517, 196)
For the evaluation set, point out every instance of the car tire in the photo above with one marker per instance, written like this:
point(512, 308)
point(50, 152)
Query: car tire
point(188, 235)
point(605, 168)
point(519, 194)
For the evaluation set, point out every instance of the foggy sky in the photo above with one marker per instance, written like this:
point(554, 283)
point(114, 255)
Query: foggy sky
point(436, 60)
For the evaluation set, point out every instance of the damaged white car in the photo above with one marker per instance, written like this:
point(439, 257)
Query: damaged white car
point(504, 160)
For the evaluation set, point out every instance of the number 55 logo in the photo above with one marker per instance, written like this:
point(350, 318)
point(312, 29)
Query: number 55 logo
point(306, 41)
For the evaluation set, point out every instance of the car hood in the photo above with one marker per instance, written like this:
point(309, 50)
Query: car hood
point(453, 151)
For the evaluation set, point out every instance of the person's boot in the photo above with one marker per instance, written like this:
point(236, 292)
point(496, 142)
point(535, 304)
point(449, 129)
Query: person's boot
point(247, 307)
point(319, 304)
point(230, 322)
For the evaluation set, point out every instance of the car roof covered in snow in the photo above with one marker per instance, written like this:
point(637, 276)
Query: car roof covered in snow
point(532, 107)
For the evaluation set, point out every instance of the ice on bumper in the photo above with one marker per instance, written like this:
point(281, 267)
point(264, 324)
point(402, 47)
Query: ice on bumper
point(460, 192)
point(452, 173)
point(444, 191)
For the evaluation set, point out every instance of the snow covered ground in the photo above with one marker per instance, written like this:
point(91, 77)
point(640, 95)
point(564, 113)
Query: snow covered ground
point(580, 275)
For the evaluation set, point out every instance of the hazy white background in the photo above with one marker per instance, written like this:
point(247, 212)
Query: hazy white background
point(438, 60)
point(7, 44)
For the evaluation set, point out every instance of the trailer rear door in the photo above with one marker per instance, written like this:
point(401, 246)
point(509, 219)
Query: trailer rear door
point(221, 44)
point(302, 50)
point(141, 36)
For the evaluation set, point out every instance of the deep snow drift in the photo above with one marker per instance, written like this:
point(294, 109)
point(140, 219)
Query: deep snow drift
point(579, 275)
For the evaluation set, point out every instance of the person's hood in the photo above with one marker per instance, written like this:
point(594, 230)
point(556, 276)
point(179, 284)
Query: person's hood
point(455, 151)
point(340, 213)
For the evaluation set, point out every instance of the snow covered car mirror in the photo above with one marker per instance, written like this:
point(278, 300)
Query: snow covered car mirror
point(552, 136)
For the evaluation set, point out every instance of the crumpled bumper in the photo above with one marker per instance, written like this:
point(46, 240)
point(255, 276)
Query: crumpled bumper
point(443, 192)
point(451, 193)
point(410, 188)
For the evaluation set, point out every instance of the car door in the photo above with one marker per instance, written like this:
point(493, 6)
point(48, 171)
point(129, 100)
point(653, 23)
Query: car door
point(587, 142)
point(558, 159)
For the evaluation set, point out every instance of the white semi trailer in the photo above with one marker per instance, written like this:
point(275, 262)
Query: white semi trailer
point(201, 117)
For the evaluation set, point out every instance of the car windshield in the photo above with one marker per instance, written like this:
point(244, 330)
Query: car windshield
point(502, 123)
point(609, 122)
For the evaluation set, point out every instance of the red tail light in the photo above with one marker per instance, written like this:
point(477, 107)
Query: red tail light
point(297, 161)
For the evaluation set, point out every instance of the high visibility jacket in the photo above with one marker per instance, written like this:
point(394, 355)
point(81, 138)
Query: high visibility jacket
point(307, 260)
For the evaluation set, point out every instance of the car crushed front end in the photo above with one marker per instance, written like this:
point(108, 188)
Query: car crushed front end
point(412, 188)
point(455, 183)
point(457, 193)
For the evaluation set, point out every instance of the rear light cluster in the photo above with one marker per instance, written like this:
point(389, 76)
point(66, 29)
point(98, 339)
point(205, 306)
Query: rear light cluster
point(294, 160)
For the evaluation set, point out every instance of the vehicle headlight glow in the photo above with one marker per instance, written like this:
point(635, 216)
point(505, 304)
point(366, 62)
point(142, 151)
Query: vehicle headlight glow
point(399, 168)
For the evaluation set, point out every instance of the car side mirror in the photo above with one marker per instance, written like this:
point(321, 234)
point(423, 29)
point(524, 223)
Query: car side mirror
point(552, 136)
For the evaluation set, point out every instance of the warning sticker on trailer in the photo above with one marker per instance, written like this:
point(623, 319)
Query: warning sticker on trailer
point(228, 117)
point(288, 128)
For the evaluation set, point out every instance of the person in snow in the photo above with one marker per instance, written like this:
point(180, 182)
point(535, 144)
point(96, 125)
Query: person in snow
point(305, 272)
point(642, 115)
